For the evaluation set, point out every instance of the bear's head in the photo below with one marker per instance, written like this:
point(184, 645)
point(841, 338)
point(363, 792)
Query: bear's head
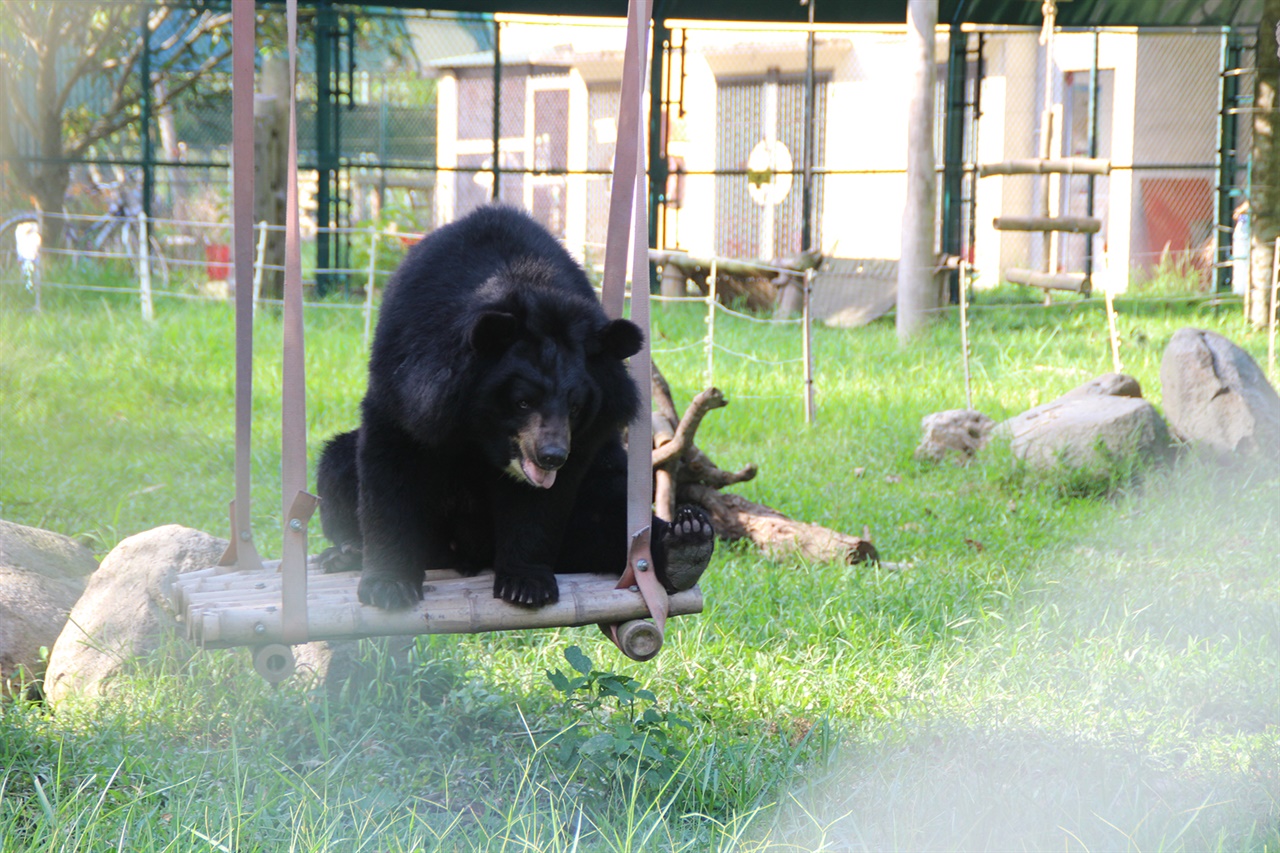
point(551, 367)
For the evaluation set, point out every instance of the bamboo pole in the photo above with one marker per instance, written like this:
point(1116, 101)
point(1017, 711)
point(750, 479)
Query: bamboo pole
point(1052, 166)
point(461, 605)
point(1068, 224)
point(1072, 281)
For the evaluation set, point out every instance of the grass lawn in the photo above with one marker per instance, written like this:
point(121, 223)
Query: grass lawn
point(1067, 663)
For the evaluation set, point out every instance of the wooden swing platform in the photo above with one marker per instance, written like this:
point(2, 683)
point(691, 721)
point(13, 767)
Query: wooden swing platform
point(224, 608)
point(272, 606)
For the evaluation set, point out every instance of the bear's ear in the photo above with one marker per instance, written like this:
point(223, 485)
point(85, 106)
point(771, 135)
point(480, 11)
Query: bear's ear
point(619, 339)
point(494, 331)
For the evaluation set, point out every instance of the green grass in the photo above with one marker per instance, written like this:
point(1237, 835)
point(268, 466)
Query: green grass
point(1059, 666)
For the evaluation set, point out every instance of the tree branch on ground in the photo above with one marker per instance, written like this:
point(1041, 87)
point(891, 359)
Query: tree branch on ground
point(683, 473)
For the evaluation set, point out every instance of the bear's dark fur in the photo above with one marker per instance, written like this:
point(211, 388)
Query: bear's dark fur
point(491, 428)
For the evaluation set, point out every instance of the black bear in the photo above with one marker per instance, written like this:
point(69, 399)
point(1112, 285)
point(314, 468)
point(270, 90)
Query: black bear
point(490, 432)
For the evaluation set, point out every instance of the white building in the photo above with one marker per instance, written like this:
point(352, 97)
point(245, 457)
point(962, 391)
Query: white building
point(736, 105)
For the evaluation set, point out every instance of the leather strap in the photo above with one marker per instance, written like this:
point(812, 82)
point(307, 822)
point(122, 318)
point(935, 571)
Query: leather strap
point(630, 200)
point(241, 552)
point(297, 503)
point(626, 156)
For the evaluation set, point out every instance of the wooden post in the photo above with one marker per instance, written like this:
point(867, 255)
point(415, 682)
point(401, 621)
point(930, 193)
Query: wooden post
point(370, 285)
point(711, 324)
point(808, 348)
point(964, 332)
point(917, 280)
point(1048, 240)
point(260, 264)
point(1111, 329)
point(1271, 314)
point(144, 266)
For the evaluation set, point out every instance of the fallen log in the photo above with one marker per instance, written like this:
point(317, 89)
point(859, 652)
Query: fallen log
point(735, 517)
point(755, 285)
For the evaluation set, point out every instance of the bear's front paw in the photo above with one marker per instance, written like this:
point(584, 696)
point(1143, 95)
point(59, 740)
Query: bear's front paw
point(389, 593)
point(689, 542)
point(528, 589)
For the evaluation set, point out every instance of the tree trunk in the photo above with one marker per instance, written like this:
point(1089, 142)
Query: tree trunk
point(50, 177)
point(51, 181)
point(1264, 202)
point(919, 286)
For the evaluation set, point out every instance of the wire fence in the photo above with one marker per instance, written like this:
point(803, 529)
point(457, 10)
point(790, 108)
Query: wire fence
point(764, 143)
point(768, 141)
point(186, 260)
point(103, 257)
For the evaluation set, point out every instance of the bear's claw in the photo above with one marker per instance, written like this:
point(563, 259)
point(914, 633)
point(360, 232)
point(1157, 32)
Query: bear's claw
point(526, 590)
point(345, 558)
point(389, 593)
point(689, 541)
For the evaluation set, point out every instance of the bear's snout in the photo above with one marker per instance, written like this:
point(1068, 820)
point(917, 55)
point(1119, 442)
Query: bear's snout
point(552, 456)
point(543, 448)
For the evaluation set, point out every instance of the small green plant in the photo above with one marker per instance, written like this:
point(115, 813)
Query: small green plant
point(1178, 273)
point(621, 734)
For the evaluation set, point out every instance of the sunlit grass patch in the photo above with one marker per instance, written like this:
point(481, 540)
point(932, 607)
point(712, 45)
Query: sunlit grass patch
point(1046, 663)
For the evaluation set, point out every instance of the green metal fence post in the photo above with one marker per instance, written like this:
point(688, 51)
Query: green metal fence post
point(1228, 145)
point(953, 152)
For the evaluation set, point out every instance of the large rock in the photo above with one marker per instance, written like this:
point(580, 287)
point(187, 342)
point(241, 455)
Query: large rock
point(957, 432)
point(41, 576)
point(1068, 430)
point(1216, 396)
point(125, 608)
point(1106, 385)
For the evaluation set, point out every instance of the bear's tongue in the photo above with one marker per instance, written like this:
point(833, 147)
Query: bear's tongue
point(540, 477)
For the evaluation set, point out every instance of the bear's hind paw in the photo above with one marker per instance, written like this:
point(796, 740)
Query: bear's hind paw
point(689, 542)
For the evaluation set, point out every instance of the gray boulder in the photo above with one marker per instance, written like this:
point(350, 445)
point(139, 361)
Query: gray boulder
point(41, 576)
point(1068, 430)
point(125, 609)
point(1106, 385)
point(1217, 397)
point(957, 432)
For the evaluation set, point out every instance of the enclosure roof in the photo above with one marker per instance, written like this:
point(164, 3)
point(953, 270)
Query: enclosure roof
point(1071, 13)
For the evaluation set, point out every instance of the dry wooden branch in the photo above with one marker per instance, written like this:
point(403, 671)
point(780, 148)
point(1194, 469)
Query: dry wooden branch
point(684, 472)
point(682, 439)
point(698, 468)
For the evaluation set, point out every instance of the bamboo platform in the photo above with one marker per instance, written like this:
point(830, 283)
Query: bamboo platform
point(225, 609)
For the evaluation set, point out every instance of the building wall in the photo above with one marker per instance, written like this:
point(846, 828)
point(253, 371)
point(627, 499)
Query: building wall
point(1158, 103)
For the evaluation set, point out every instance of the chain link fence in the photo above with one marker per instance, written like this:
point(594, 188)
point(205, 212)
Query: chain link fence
point(765, 142)
point(1157, 106)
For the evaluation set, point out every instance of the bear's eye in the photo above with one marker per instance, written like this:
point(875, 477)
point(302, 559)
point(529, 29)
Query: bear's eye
point(522, 404)
point(574, 410)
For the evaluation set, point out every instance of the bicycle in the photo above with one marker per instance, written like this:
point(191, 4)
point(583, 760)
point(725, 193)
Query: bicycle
point(117, 233)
